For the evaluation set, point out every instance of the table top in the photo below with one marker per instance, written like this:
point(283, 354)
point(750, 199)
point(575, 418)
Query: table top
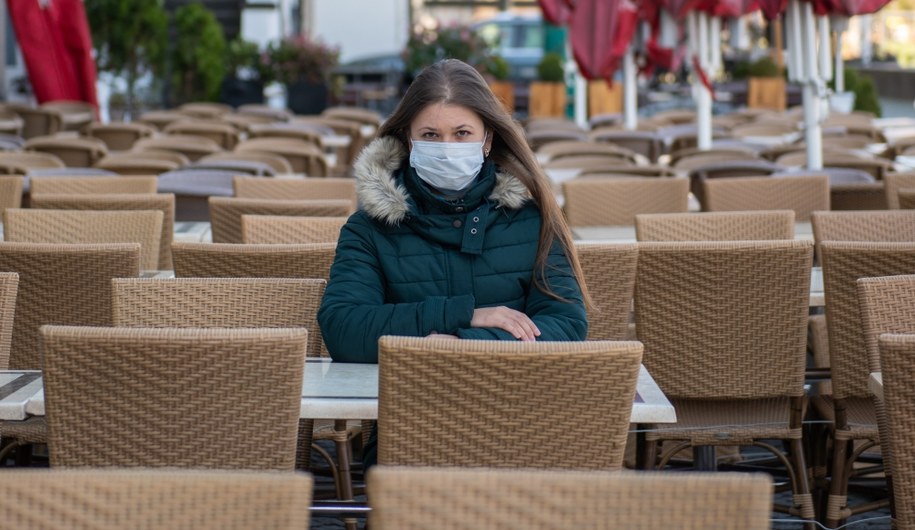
point(332, 391)
point(875, 384)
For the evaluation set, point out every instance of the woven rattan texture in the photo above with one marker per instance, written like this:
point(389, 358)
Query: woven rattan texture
point(226, 212)
point(896, 354)
point(596, 201)
point(304, 157)
point(193, 147)
point(461, 499)
point(906, 198)
point(562, 149)
point(92, 185)
point(858, 196)
point(220, 303)
point(62, 284)
point(200, 398)
point(287, 188)
point(843, 264)
point(215, 260)
point(609, 272)
point(158, 201)
point(719, 422)
point(156, 500)
point(716, 226)
point(893, 182)
point(505, 404)
point(11, 191)
point(9, 286)
point(864, 226)
point(281, 229)
point(30, 225)
point(804, 195)
point(724, 319)
point(887, 306)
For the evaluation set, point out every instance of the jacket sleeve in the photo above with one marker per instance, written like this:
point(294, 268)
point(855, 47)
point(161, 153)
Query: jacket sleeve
point(353, 312)
point(556, 319)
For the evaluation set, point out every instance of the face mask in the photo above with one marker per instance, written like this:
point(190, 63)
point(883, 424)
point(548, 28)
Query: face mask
point(448, 166)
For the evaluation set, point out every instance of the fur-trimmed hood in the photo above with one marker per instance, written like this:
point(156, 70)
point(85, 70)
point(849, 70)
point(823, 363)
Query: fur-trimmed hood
point(385, 199)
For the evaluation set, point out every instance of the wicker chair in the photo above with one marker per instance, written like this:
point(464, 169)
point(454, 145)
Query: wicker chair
point(119, 136)
point(91, 185)
point(156, 154)
point(136, 164)
point(858, 196)
point(282, 229)
point(75, 114)
point(117, 201)
point(224, 134)
point(31, 225)
point(193, 147)
point(503, 499)
point(74, 152)
point(882, 225)
point(594, 163)
point(717, 226)
point(558, 150)
point(877, 167)
point(630, 171)
point(9, 286)
point(357, 114)
point(296, 130)
point(598, 201)
point(226, 212)
point(539, 137)
point(82, 499)
point(160, 118)
point(142, 397)
point(297, 189)
point(689, 159)
point(803, 195)
point(851, 406)
point(609, 271)
point(906, 197)
point(11, 191)
point(224, 260)
point(647, 144)
point(349, 128)
point(893, 182)
point(18, 163)
point(896, 353)
point(38, 121)
point(279, 164)
point(304, 157)
point(205, 109)
point(736, 376)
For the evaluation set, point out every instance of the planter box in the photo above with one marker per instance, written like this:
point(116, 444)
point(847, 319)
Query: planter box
point(547, 100)
point(766, 93)
point(307, 98)
point(505, 92)
point(604, 99)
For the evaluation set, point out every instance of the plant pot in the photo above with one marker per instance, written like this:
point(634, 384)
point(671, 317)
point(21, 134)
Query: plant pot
point(766, 93)
point(307, 97)
point(842, 102)
point(505, 92)
point(235, 91)
point(604, 99)
point(547, 99)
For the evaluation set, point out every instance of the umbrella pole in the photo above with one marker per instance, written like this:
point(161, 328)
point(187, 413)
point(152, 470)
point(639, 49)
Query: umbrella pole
point(825, 67)
point(700, 92)
point(839, 24)
point(630, 91)
point(812, 132)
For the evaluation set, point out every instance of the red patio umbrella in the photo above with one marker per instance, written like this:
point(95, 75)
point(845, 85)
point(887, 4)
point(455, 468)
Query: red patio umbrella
point(600, 31)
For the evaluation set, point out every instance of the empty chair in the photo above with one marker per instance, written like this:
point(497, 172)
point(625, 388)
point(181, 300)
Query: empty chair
point(629, 171)
point(724, 325)
point(502, 499)
point(118, 136)
point(765, 129)
point(120, 201)
point(596, 201)
point(296, 130)
point(609, 272)
point(226, 212)
point(15, 163)
point(304, 157)
point(38, 121)
point(193, 147)
point(75, 114)
point(688, 159)
point(193, 188)
point(301, 188)
point(9, 286)
point(74, 152)
point(716, 226)
point(540, 137)
point(156, 500)
point(205, 109)
point(223, 260)
point(279, 164)
point(906, 197)
point(11, 191)
point(137, 164)
point(242, 167)
point(186, 395)
point(224, 134)
point(282, 229)
point(91, 185)
point(896, 354)
point(893, 182)
point(803, 195)
point(646, 143)
point(342, 127)
point(10, 123)
point(594, 163)
point(358, 114)
point(888, 225)
point(160, 118)
point(858, 196)
point(557, 150)
point(260, 109)
point(474, 403)
point(32, 225)
point(877, 167)
point(154, 154)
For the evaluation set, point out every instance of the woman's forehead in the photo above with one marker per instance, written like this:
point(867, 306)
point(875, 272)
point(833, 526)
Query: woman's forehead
point(446, 116)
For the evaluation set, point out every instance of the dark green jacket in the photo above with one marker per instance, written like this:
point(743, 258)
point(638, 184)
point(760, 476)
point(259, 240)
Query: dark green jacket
point(410, 263)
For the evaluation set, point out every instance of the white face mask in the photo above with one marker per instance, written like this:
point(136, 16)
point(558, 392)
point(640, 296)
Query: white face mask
point(448, 166)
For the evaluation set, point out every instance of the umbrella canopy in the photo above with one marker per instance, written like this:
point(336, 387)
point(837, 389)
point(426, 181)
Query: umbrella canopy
point(600, 32)
point(556, 12)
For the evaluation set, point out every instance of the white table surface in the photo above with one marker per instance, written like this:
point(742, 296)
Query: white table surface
point(16, 389)
point(341, 391)
point(875, 384)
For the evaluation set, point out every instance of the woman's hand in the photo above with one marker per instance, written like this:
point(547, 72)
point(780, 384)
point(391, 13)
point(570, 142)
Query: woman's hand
point(515, 322)
point(434, 335)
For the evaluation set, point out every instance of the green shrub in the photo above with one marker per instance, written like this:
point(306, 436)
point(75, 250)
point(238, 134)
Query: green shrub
point(550, 68)
point(764, 67)
point(198, 56)
point(864, 90)
point(496, 66)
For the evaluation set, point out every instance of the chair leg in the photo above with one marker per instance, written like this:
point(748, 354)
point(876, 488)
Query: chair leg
point(838, 487)
point(649, 454)
point(803, 499)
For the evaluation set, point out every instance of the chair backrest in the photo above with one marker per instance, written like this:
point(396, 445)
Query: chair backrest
point(222, 133)
point(165, 397)
point(906, 198)
point(645, 143)
point(504, 499)
point(858, 196)
point(715, 226)
point(844, 262)
point(220, 303)
point(557, 150)
point(156, 500)
point(279, 164)
point(138, 164)
point(156, 154)
point(158, 201)
point(881, 225)
point(590, 162)
point(467, 403)
point(62, 284)
point(724, 320)
point(887, 306)
point(694, 160)
point(31, 225)
point(304, 157)
point(288, 188)
point(281, 229)
point(193, 147)
point(803, 195)
point(9, 286)
point(74, 152)
point(609, 272)
point(893, 182)
point(596, 201)
point(11, 191)
point(160, 118)
point(19, 163)
point(897, 351)
point(91, 185)
point(205, 109)
point(226, 212)
point(38, 121)
point(119, 136)
point(630, 171)
point(229, 260)
point(357, 114)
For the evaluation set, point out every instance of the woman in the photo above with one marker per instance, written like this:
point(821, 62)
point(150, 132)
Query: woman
point(458, 232)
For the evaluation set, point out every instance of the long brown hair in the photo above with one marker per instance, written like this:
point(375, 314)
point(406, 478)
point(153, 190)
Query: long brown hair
point(454, 82)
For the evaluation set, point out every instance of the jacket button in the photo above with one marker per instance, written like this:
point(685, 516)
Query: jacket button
point(476, 219)
point(459, 209)
point(456, 223)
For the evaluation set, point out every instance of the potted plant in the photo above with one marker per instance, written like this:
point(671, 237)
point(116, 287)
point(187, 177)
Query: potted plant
point(304, 66)
point(548, 94)
point(495, 69)
point(766, 85)
point(247, 71)
point(198, 55)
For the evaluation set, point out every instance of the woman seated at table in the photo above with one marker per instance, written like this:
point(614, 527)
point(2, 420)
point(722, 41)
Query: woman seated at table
point(457, 234)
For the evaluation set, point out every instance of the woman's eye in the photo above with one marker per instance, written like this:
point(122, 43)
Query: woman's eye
point(429, 135)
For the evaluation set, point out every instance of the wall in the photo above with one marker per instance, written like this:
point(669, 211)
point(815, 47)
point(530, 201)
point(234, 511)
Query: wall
point(361, 28)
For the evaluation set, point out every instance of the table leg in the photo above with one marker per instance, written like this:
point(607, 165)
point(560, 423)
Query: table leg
point(341, 441)
point(704, 458)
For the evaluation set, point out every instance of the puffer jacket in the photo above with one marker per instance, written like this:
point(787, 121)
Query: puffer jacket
point(411, 263)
